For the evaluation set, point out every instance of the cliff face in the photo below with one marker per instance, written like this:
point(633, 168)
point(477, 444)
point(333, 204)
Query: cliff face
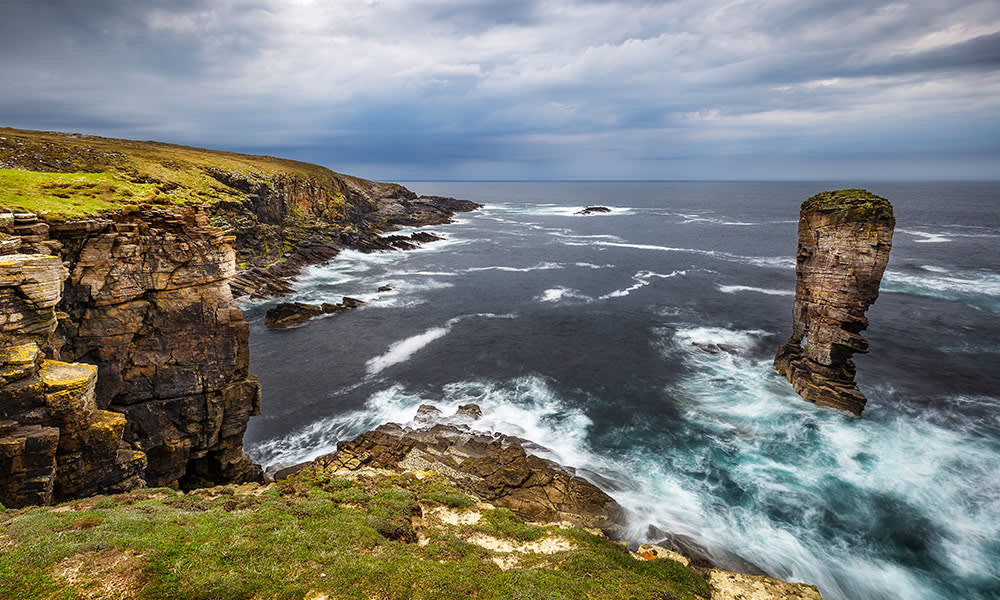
point(844, 241)
point(148, 301)
point(55, 442)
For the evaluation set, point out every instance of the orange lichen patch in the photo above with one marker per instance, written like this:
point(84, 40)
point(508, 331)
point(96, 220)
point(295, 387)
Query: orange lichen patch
point(110, 574)
point(20, 355)
point(59, 375)
point(651, 552)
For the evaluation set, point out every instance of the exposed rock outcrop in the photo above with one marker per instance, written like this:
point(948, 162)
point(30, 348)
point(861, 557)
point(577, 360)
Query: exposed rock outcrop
point(289, 314)
point(148, 301)
point(155, 387)
point(844, 241)
point(55, 443)
point(593, 210)
point(494, 467)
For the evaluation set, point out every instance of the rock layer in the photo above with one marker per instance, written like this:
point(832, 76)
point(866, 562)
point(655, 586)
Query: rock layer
point(147, 300)
point(844, 241)
point(494, 467)
point(55, 442)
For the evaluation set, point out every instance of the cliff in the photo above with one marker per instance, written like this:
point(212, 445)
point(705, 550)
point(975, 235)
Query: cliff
point(844, 241)
point(121, 258)
point(284, 214)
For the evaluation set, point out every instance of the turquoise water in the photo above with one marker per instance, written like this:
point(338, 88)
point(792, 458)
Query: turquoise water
point(585, 335)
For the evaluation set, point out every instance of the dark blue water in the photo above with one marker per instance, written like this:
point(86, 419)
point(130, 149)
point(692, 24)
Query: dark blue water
point(580, 333)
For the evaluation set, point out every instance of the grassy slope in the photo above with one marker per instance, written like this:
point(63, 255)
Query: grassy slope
point(315, 536)
point(62, 175)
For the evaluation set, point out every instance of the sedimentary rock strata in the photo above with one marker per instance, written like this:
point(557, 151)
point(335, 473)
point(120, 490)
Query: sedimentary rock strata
point(147, 301)
point(55, 442)
point(494, 467)
point(844, 241)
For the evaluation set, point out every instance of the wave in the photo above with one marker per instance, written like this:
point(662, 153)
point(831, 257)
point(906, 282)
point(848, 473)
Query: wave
point(526, 407)
point(557, 294)
point(779, 262)
point(642, 279)
point(926, 237)
point(771, 475)
point(402, 350)
point(546, 266)
point(549, 210)
point(977, 288)
point(698, 218)
point(932, 237)
point(732, 289)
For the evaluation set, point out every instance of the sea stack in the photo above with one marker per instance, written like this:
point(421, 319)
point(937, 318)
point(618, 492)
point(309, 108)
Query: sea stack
point(844, 241)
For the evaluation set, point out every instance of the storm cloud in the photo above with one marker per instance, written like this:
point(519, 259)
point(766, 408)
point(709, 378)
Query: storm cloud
point(426, 89)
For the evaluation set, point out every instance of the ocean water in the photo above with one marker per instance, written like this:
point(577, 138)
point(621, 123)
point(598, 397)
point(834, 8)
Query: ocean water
point(582, 334)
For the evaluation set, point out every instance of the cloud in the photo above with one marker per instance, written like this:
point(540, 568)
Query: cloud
point(397, 88)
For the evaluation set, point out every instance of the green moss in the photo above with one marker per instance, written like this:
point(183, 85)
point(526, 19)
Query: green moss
point(856, 201)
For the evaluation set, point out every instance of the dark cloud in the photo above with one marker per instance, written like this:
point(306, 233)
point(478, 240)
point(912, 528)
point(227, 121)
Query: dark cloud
point(493, 89)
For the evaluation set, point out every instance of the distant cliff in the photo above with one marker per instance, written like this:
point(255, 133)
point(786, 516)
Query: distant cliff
point(123, 359)
point(844, 241)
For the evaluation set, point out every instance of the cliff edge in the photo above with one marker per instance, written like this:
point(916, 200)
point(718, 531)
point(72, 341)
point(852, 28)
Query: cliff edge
point(844, 241)
point(123, 361)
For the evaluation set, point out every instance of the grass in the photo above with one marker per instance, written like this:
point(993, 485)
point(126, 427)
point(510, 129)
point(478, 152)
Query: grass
point(311, 536)
point(59, 176)
point(67, 195)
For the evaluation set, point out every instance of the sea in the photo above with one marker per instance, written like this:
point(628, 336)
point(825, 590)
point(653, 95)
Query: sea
point(637, 346)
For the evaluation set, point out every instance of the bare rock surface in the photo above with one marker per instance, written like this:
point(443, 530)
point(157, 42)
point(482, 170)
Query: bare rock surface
point(494, 467)
point(844, 241)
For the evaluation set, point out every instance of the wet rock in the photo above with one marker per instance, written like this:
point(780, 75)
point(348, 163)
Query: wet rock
point(593, 210)
point(349, 302)
point(494, 467)
point(844, 241)
point(385, 288)
point(288, 314)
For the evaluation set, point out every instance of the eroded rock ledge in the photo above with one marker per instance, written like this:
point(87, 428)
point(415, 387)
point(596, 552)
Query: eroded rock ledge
point(494, 467)
point(844, 241)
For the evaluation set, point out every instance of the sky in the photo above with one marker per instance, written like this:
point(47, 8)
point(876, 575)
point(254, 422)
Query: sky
point(512, 89)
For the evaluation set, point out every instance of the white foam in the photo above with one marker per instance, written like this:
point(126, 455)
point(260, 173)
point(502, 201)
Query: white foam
point(732, 289)
point(927, 237)
point(557, 294)
point(402, 350)
point(546, 266)
point(780, 262)
point(955, 286)
point(548, 210)
point(642, 279)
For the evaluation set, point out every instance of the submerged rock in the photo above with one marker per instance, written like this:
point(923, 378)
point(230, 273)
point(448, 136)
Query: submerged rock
point(844, 241)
